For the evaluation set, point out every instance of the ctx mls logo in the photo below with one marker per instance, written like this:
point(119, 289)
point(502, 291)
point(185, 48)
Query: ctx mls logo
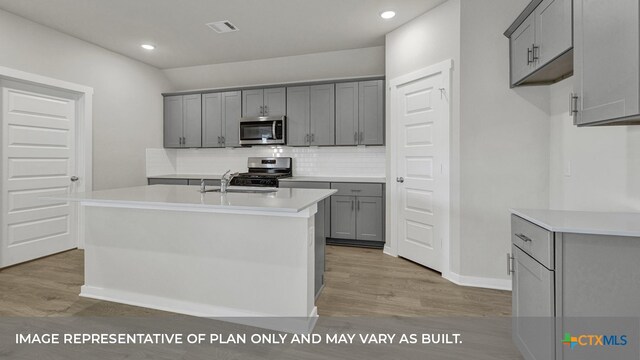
point(594, 340)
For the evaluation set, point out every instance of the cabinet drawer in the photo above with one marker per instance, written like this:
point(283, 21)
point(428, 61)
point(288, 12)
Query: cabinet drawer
point(161, 181)
point(357, 189)
point(304, 184)
point(533, 240)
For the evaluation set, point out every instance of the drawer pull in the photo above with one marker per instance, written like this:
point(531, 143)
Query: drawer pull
point(523, 237)
point(510, 266)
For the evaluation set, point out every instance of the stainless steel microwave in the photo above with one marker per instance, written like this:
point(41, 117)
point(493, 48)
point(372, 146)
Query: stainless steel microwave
point(263, 130)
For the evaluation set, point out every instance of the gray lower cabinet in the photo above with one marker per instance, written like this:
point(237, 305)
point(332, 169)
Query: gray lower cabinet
point(264, 102)
point(162, 181)
point(321, 227)
point(357, 214)
point(311, 115)
point(561, 281)
point(221, 114)
point(183, 121)
point(360, 113)
point(607, 61)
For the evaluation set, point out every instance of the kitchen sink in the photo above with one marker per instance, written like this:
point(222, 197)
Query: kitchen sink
point(245, 191)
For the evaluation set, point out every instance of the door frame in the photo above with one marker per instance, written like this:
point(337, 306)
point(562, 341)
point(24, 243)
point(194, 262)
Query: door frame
point(391, 246)
point(83, 96)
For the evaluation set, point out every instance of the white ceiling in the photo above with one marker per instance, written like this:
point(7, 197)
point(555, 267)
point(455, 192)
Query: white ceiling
point(268, 28)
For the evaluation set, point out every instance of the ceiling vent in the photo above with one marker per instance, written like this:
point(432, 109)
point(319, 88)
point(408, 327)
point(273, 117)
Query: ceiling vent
point(223, 26)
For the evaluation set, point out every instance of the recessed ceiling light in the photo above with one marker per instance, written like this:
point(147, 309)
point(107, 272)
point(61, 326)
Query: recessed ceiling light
point(387, 14)
point(148, 46)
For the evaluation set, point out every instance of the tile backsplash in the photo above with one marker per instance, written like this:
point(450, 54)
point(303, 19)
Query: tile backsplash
point(307, 161)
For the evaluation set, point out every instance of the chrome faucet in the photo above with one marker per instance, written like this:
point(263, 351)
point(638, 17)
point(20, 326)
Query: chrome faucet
point(225, 181)
point(203, 186)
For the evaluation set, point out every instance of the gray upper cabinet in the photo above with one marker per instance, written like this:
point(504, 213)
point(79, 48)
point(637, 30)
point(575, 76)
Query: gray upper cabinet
point(371, 112)
point(173, 121)
point(541, 43)
point(232, 112)
point(521, 52)
point(220, 119)
point(360, 113)
point(607, 63)
point(347, 103)
point(183, 121)
point(264, 102)
point(311, 115)
point(322, 115)
point(298, 116)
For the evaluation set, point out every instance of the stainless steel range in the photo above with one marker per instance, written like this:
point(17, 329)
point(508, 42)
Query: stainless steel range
point(264, 171)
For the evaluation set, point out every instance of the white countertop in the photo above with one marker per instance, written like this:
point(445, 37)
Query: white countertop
point(357, 179)
point(188, 197)
point(188, 176)
point(583, 222)
point(353, 179)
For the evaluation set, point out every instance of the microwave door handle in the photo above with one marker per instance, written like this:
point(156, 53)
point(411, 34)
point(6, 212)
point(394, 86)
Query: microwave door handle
point(273, 130)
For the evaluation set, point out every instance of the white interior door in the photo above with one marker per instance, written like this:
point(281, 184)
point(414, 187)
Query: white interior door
point(422, 159)
point(38, 159)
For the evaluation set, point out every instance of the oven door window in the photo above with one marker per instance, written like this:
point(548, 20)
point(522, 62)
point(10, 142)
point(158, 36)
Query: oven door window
point(256, 130)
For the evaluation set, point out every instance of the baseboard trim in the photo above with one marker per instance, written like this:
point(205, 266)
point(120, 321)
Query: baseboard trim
point(289, 324)
point(481, 282)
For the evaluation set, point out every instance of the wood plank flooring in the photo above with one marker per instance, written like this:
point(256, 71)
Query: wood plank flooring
point(359, 282)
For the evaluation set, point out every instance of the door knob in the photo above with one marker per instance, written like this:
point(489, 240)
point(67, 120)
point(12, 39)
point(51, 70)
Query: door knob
point(74, 178)
point(400, 179)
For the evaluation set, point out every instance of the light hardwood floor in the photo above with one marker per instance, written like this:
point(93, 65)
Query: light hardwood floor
point(358, 282)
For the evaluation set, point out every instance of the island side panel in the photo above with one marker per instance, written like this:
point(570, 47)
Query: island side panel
point(203, 264)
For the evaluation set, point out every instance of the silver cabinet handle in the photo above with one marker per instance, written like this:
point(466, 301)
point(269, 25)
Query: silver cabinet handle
point(261, 110)
point(573, 107)
point(529, 53)
point(224, 140)
point(534, 50)
point(510, 266)
point(306, 138)
point(313, 137)
point(266, 110)
point(358, 207)
point(352, 201)
point(523, 237)
point(400, 179)
point(74, 178)
point(219, 140)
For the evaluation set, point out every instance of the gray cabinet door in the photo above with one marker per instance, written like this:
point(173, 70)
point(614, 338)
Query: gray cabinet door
point(212, 120)
point(275, 102)
point(521, 44)
point(231, 114)
point(322, 114)
point(173, 121)
point(192, 120)
point(371, 112)
point(298, 116)
point(369, 218)
point(343, 217)
point(606, 59)
point(347, 113)
point(252, 102)
point(553, 29)
point(533, 308)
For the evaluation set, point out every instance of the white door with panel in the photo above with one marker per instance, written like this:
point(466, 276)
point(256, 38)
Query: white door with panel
point(421, 156)
point(38, 160)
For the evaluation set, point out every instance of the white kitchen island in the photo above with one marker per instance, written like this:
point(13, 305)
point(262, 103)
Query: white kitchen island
point(240, 256)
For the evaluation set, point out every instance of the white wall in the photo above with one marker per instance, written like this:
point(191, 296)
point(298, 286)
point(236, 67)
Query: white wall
point(499, 136)
point(319, 66)
point(592, 168)
point(127, 101)
point(504, 139)
point(307, 161)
